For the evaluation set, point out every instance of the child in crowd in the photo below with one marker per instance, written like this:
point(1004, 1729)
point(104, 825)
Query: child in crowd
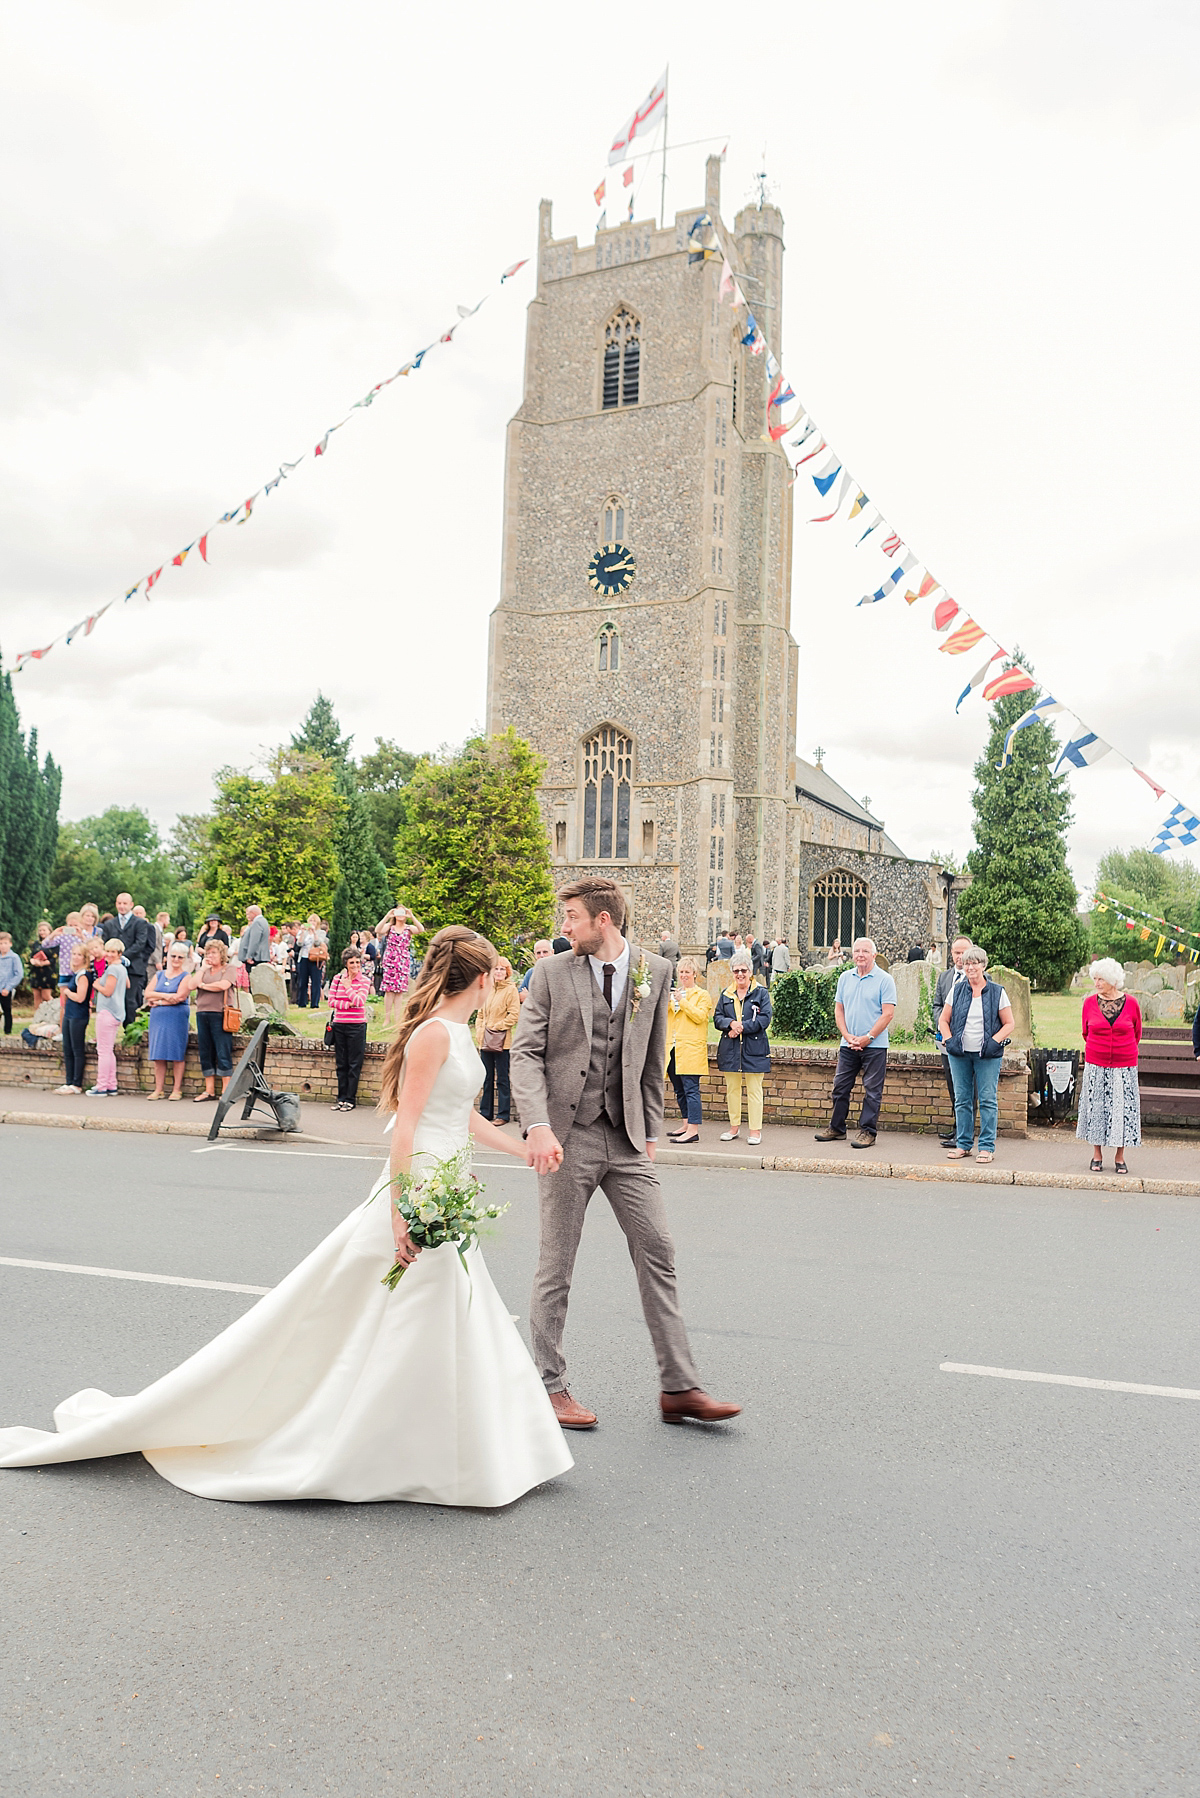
point(12, 972)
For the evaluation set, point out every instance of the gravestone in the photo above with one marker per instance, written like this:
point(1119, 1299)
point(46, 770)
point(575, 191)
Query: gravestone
point(1017, 988)
point(910, 976)
point(1162, 1007)
point(266, 982)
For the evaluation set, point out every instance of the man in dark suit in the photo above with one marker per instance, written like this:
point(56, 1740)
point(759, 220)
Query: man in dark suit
point(139, 939)
point(946, 983)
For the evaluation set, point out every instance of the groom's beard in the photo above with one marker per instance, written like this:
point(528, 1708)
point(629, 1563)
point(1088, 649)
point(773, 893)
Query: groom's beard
point(588, 944)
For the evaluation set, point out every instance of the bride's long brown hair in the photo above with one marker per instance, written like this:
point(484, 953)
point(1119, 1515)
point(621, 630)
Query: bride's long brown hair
point(454, 959)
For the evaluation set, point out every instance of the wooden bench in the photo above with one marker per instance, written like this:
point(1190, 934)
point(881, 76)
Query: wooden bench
point(1168, 1072)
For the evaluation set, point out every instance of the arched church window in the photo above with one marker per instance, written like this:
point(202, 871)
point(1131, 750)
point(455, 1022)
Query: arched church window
point(622, 360)
point(608, 659)
point(612, 521)
point(839, 909)
point(607, 773)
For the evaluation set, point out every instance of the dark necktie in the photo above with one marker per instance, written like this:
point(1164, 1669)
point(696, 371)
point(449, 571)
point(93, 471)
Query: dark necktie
point(609, 971)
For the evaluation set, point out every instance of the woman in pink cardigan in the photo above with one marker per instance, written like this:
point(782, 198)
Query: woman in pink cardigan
point(1110, 1106)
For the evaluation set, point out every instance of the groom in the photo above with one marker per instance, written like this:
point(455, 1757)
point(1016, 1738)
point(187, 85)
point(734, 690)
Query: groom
point(587, 1074)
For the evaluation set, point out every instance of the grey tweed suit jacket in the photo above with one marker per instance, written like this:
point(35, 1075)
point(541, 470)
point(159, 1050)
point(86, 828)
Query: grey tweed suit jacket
point(548, 1062)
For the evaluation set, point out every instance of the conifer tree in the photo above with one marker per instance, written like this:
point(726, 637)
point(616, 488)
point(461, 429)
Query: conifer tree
point(29, 797)
point(363, 892)
point(472, 847)
point(321, 734)
point(1021, 904)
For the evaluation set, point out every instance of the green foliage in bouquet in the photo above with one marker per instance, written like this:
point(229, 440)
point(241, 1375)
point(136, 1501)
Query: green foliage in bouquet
point(441, 1204)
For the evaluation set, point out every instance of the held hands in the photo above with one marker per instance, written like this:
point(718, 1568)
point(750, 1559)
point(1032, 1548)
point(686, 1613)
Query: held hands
point(543, 1151)
point(735, 1029)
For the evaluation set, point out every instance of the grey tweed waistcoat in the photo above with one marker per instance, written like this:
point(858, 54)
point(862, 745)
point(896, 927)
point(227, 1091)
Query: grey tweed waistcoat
point(603, 1092)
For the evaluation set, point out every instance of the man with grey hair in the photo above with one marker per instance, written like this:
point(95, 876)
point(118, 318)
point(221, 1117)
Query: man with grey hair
point(947, 980)
point(254, 944)
point(864, 1007)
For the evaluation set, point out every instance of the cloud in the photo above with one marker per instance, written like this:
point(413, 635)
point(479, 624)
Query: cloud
point(1098, 60)
point(75, 313)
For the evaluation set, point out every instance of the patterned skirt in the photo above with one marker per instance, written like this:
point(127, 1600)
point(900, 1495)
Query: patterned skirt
point(1110, 1107)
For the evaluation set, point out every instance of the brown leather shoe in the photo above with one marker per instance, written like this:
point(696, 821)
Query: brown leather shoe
point(571, 1416)
point(864, 1140)
point(829, 1136)
point(695, 1404)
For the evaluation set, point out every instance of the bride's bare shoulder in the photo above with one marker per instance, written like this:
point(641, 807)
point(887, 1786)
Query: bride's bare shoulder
point(428, 1048)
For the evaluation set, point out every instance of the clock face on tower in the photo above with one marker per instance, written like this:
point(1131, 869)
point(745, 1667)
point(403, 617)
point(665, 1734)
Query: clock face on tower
point(611, 569)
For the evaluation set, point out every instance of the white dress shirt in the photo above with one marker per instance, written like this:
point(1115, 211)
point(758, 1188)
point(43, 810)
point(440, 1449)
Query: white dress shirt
point(620, 968)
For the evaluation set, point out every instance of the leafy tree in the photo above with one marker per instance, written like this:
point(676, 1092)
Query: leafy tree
point(1021, 905)
point(187, 845)
point(364, 891)
point(272, 842)
point(320, 734)
point(117, 851)
point(29, 796)
point(472, 847)
point(382, 777)
point(1169, 888)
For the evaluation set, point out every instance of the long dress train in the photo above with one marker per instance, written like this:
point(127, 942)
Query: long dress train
point(333, 1387)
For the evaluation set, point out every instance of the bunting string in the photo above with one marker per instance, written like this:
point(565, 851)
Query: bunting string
point(834, 484)
point(1174, 933)
point(242, 513)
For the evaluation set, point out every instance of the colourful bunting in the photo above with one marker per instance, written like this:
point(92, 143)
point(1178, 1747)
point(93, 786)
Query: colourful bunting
point(598, 194)
point(843, 488)
point(891, 546)
point(823, 482)
point(923, 591)
point(859, 503)
point(1046, 707)
point(965, 637)
point(978, 676)
point(242, 513)
point(1014, 681)
point(943, 612)
point(1179, 827)
point(1081, 752)
point(890, 584)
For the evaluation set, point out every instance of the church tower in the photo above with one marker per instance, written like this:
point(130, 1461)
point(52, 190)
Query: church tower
point(642, 640)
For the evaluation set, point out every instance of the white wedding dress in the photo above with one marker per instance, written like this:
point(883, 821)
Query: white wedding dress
point(333, 1387)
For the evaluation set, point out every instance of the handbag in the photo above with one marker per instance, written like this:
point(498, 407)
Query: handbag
point(329, 1034)
point(493, 1040)
point(318, 952)
point(231, 1012)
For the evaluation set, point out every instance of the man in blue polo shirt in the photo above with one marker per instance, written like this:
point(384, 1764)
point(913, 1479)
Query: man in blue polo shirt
point(866, 1004)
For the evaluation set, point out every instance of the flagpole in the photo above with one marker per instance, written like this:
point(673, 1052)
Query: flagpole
point(662, 203)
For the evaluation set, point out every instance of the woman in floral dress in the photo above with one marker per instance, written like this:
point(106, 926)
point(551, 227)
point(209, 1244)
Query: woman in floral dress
point(396, 931)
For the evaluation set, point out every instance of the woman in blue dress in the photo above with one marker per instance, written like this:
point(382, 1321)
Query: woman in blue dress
point(169, 997)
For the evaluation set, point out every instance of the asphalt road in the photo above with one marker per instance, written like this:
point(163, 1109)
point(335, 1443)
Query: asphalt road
point(881, 1579)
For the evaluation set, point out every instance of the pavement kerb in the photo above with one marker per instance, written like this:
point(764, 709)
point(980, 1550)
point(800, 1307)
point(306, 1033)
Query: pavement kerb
point(784, 1164)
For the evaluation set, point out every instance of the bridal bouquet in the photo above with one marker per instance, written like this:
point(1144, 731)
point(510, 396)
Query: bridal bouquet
point(441, 1204)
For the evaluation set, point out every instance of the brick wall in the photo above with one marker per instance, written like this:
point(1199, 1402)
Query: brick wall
point(796, 1091)
point(294, 1064)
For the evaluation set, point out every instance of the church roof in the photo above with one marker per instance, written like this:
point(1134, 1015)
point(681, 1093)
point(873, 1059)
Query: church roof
point(814, 783)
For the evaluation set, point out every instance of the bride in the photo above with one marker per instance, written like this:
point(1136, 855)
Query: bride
point(332, 1386)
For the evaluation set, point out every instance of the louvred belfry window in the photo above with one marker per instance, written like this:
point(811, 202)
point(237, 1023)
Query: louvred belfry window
point(622, 360)
point(607, 773)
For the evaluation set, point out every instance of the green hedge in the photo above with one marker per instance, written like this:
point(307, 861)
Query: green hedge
point(802, 1003)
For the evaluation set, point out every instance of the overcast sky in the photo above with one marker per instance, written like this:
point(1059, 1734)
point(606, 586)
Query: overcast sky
point(222, 224)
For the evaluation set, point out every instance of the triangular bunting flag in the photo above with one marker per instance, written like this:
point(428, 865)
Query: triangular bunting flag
point(923, 591)
point(943, 612)
point(1014, 681)
point(965, 637)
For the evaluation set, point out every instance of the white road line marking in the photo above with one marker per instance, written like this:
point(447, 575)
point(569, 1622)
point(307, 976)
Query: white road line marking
point(233, 1148)
point(1070, 1379)
point(117, 1273)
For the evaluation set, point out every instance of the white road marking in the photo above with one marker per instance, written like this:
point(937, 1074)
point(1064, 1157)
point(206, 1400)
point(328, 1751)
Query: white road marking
point(1070, 1379)
point(117, 1273)
point(234, 1148)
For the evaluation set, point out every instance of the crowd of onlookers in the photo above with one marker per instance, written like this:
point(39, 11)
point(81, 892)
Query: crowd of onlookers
point(114, 965)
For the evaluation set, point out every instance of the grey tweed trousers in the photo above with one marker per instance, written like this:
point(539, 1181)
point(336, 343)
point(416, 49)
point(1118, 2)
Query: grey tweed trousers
point(599, 1155)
